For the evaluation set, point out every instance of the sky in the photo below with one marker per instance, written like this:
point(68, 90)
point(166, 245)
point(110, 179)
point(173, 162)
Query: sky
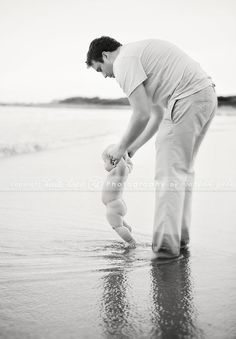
point(44, 42)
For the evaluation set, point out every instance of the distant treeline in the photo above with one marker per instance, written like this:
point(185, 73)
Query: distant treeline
point(222, 101)
point(94, 101)
point(227, 101)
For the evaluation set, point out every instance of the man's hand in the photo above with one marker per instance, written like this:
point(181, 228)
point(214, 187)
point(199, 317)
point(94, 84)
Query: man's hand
point(131, 151)
point(115, 153)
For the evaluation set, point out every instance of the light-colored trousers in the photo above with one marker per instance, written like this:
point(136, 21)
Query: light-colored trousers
point(180, 134)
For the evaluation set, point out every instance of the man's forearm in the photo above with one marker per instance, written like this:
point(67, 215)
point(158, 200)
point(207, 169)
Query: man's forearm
point(136, 126)
point(150, 129)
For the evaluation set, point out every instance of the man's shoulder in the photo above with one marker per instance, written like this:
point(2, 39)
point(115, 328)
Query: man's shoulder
point(129, 53)
point(133, 48)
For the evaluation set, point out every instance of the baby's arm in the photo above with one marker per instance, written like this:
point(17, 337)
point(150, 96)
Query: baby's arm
point(122, 168)
point(129, 163)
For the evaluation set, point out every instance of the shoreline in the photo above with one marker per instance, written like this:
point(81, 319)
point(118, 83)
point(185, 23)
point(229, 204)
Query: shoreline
point(78, 106)
point(97, 103)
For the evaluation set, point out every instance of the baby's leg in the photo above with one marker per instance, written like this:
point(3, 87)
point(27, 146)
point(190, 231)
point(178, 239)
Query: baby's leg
point(125, 211)
point(127, 225)
point(115, 212)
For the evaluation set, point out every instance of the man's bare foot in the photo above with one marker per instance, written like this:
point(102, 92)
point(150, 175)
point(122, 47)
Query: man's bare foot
point(163, 255)
point(127, 226)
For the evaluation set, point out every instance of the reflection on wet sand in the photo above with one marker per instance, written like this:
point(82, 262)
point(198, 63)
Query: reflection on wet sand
point(114, 303)
point(174, 314)
point(169, 297)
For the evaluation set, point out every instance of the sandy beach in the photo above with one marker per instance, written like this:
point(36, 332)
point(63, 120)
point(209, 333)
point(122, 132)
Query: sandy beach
point(64, 271)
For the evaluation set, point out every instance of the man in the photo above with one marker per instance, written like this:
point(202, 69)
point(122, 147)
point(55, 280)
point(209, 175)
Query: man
point(169, 93)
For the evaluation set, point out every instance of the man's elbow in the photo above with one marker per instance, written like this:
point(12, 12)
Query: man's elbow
point(143, 119)
point(141, 123)
point(142, 114)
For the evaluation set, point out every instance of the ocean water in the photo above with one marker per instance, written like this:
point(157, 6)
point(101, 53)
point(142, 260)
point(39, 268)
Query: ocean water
point(32, 129)
point(64, 273)
point(26, 130)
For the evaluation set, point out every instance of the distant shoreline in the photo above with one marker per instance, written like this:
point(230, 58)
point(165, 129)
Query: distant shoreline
point(53, 105)
point(96, 102)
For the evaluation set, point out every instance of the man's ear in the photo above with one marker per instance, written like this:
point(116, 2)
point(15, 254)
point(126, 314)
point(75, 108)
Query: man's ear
point(105, 55)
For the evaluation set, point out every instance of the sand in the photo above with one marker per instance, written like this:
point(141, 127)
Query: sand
point(65, 273)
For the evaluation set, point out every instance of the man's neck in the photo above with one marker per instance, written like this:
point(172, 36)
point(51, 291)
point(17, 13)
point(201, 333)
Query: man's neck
point(116, 53)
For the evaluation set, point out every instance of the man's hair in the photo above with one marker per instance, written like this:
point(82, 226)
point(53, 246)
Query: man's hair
point(99, 45)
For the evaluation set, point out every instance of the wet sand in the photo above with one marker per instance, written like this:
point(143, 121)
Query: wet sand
point(66, 274)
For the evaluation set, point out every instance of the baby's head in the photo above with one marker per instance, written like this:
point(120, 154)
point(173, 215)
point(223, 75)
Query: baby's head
point(107, 161)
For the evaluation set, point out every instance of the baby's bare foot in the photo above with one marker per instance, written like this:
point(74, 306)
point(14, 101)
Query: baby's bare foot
point(127, 226)
point(131, 244)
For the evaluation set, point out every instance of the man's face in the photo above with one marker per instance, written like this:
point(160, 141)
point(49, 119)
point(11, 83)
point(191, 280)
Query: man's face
point(106, 68)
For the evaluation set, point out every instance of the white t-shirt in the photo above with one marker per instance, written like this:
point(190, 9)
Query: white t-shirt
point(165, 70)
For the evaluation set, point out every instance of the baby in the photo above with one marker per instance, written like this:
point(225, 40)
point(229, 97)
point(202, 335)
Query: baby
point(112, 195)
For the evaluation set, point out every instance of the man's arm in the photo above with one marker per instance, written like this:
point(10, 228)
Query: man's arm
point(139, 119)
point(150, 129)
